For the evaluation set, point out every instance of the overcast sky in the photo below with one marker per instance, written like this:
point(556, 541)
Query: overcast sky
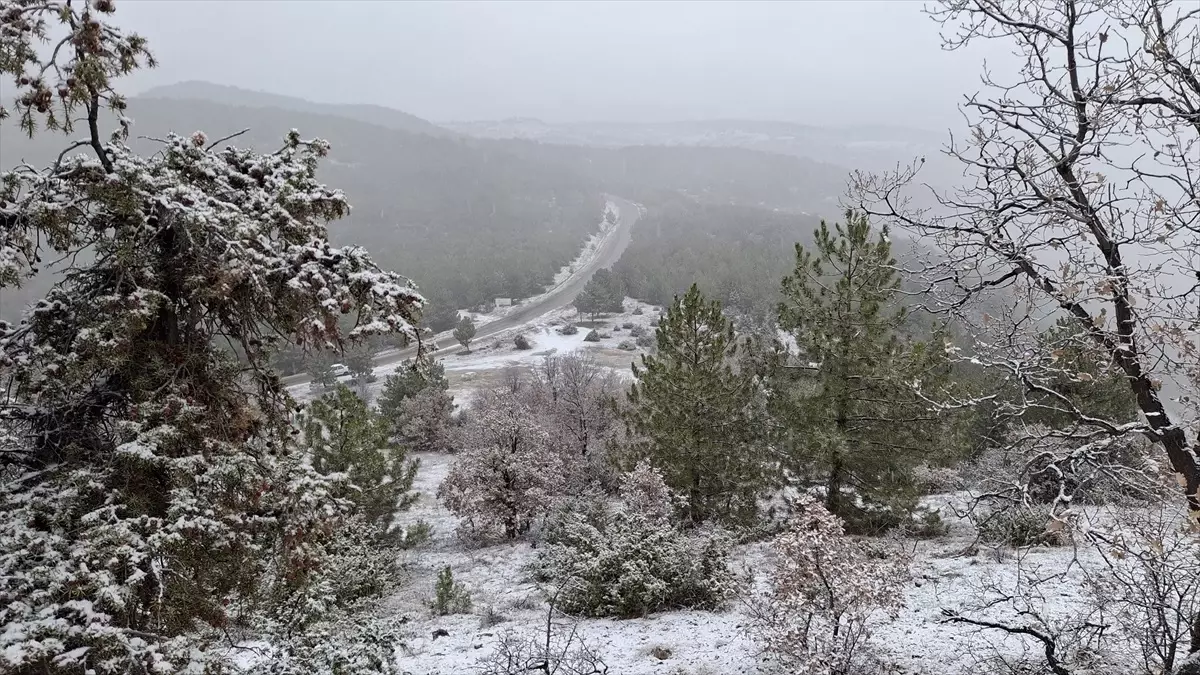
point(839, 62)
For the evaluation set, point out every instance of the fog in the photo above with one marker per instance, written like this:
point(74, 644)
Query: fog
point(824, 63)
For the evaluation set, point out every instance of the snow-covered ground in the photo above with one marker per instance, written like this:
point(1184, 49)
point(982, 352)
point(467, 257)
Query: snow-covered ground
point(917, 641)
point(698, 641)
point(945, 575)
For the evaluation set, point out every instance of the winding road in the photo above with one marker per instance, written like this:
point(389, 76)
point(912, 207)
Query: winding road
point(610, 251)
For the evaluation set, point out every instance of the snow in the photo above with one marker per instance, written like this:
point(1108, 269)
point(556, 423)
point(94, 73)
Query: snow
point(917, 641)
point(496, 576)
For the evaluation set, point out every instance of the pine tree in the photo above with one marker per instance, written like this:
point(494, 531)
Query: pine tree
point(343, 435)
point(465, 332)
point(409, 379)
point(159, 495)
point(695, 414)
point(602, 293)
point(850, 419)
point(1082, 375)
point(417, 406)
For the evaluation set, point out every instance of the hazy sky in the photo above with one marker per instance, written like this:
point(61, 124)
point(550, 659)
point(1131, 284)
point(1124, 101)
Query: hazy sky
point(840, 62)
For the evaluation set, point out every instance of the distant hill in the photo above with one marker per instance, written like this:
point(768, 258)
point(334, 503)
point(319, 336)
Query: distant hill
point(870, 148)
point(235, 96)
point(468, 219)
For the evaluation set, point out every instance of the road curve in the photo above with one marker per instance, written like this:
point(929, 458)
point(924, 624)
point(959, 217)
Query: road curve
point(561, 296)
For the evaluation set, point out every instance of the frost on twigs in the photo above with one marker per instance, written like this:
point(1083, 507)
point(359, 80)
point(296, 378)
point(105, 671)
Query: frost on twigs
point(507, 473)
point(824, 595)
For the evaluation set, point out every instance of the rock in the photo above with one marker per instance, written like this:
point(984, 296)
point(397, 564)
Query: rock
point(440, 632)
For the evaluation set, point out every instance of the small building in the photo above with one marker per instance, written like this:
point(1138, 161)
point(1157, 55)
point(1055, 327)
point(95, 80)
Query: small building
point(504, 302)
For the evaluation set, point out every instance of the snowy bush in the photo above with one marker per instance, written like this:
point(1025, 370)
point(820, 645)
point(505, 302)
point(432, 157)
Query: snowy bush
point(636, 560)
point(356, 645)
point(592, 336)
point(1019, 526)
point(637, 331)
point(568, 329)
point(507, 472)
point(646, 341)
point(824, 593)
point(557, 649)
point(1149, 584)
point(522, 343)
point(626, 345)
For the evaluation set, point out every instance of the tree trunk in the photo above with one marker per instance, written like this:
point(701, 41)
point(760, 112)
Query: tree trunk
point(833, 487)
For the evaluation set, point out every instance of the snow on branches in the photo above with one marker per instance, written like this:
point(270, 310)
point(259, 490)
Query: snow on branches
point(508, 472)
point(825, 591)
point(160, 498)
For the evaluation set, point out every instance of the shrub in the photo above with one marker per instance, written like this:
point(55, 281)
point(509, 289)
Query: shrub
point(616, 329)
point(1019, 527)
point(592, 336)
point(646, 341)
point(824, 593)
point(638, 311)
point(926, 524)
point(569, 329)
point(636, 560)
point(522, 342)
point(490, 617)
point(637, 331)
point(449, 597)
point(628, 325)
point(626, 345)
point(507, 472)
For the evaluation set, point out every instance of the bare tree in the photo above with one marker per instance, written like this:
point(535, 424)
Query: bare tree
point(558, 650)
point(1082, 201)
point(577, 390)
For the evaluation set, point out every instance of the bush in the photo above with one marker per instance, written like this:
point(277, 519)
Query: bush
point(449, 597)
point(592, 336)
point(616, 329)
point(522, 342)
point(926, 524)
point(626, 345)
point(628, 325)
point(508, 471)
point(646, 341)
point(638, 311)
point(636, 560)
point(1020, 527)
point(637, 331)
point(827, 588)
point(569, 329)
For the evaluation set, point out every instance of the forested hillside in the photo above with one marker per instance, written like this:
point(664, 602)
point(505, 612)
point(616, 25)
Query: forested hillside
point(467, 221)
point(736, 254)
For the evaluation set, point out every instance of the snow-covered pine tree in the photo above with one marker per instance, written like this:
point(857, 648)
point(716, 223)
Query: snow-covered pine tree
point(697, 416)
point(156, 497)
point(851, 420)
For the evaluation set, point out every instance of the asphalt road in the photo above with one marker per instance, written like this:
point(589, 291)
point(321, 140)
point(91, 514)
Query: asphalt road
point(561, 296)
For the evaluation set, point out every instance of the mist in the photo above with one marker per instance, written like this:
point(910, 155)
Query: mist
point(823, 63)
